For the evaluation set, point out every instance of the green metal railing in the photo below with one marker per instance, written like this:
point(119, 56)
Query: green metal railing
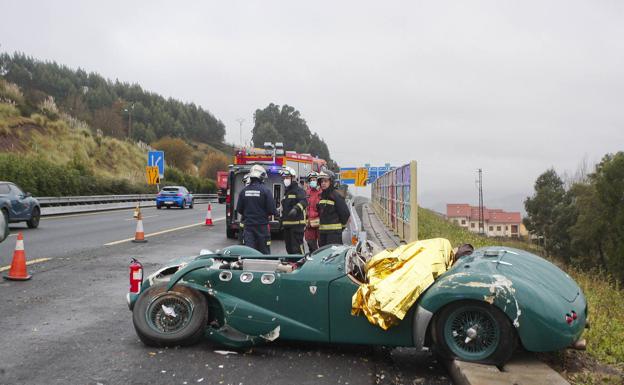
point(394, 199)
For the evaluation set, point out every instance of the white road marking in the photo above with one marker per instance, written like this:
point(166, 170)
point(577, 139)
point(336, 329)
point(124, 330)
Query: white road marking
point(145, 216)
point(162, 232)
point(38, 260)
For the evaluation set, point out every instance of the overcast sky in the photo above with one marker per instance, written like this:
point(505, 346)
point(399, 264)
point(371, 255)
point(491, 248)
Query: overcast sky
point(513, 88)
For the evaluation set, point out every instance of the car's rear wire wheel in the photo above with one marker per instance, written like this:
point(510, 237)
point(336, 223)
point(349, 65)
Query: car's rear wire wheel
point(170, 318)
point(474, 331)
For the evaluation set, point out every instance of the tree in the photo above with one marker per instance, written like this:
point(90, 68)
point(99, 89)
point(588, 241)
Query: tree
point(109, 121)
point(213, 162)
point(177, 152)
point(609, 181)
point(267, 133)
point(589, 233)
point(550, 213)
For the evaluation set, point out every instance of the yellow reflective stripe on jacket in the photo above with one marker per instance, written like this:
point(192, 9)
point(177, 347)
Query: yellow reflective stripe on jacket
point(291, 196)
point(327, 202)
point(333, 226)
point(303, 222)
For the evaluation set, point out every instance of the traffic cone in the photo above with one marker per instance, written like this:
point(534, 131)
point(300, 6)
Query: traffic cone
point(139, 235)
point(18, 270)
point(209, 216)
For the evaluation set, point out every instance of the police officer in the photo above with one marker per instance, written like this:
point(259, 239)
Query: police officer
point(256, 204)
point(293, 212)
point(333, 211)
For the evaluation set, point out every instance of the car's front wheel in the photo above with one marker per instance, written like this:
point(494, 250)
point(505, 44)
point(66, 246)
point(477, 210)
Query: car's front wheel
point(33, 222)
point(170, 318)
point(474, 331)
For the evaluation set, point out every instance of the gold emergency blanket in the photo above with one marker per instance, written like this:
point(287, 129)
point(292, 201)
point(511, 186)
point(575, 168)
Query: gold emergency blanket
point(396, 278)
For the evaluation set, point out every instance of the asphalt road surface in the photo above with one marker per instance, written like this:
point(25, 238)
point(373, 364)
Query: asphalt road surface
point(70, 323)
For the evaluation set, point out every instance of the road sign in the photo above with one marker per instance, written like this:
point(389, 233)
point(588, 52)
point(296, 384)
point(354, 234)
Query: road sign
point(157, 158)
point(361, 176)
point(151, 173)
point(348, 175)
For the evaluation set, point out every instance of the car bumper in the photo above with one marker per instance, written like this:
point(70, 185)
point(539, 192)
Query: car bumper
point(169, 201)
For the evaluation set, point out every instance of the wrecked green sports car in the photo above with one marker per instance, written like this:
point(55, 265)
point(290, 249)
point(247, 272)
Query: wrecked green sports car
point(479, 310)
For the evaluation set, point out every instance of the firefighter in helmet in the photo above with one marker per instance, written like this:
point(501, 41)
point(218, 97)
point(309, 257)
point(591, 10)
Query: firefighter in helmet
point(255, 205)
point(333, 211)
point(313, 194)
point(293, 212)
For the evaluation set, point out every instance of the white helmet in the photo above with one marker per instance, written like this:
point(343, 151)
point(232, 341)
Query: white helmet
point(288, 171)
point(257, 171)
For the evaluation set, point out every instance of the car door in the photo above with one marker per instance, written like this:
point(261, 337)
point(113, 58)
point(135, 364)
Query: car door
point(346, 328)
point(20, 204)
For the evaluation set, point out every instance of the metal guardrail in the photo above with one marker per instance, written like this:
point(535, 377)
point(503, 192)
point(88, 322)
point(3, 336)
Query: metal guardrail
point(394, 200)
point(97, 199)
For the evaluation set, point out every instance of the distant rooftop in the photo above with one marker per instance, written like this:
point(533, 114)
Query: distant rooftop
point(464, 210)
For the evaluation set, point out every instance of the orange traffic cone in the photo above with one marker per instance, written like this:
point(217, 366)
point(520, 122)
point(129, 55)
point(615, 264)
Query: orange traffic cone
point(18, 270)
point(209, 216)
point(139, 235)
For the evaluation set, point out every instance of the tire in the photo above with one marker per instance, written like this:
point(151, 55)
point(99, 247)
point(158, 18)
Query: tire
point(5, 230)
point(158, 207)
point(155, 328)
point(183, 204)
point(168, 207)
point(191, 205)
point(33, 222)
point(493, 343)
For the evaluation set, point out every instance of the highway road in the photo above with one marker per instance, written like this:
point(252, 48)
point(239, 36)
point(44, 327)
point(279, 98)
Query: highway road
point(70, 323)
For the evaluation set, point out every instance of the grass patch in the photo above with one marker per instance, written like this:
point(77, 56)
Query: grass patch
point(604, 295)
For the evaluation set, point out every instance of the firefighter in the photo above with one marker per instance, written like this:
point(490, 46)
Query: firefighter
point(333, 211)
point(293, 212)
point(313, 194)
point(241, 225)
point(255, 205)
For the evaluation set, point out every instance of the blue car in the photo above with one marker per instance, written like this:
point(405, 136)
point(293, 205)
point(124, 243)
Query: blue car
point(18, 206)
point(177, 196)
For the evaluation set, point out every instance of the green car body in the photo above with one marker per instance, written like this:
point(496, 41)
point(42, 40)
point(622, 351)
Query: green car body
point(313, 302)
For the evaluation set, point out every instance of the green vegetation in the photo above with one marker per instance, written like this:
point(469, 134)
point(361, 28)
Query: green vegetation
point(285, 124)
point(604, 296)
point(582, 224)
point(104, 104)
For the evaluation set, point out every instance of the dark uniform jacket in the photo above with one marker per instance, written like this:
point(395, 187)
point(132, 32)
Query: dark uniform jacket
point(256, 204)
point(333, 211)
point(294, 207)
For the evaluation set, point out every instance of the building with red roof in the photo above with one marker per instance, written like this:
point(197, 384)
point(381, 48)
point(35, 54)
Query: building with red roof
point(497, 222)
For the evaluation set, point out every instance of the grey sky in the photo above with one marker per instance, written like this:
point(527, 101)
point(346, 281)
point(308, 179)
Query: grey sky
point(511, 87)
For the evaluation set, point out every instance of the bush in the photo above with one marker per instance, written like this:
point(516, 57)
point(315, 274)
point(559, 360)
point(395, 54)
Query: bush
point(173, 176)
point(44, 178)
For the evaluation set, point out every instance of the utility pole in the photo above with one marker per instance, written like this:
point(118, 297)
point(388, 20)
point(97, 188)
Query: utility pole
point(481, 216)
point(240, 127)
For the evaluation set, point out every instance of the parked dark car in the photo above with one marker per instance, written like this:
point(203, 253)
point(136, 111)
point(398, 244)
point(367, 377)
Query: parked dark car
point(18, 206)
point(177, 196)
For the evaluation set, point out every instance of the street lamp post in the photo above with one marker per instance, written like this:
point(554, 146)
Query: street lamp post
point(129, 111)
point(240, 127)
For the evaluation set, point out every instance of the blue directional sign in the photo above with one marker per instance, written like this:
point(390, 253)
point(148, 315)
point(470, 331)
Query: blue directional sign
point(157, 158)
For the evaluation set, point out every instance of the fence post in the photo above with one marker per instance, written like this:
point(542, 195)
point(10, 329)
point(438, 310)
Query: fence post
point(413, 199)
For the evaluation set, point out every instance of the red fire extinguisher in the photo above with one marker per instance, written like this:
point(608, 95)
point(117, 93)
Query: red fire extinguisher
point(136, 276)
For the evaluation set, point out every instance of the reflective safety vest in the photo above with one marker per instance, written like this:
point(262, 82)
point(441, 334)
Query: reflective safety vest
point(294, 198)
point(333, 212)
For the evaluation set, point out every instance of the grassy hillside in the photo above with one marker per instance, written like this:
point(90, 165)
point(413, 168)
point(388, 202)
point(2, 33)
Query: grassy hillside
point(603, 362)
point(37, 148)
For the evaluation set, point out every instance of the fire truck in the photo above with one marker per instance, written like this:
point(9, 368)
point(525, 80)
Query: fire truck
point(272, 157)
